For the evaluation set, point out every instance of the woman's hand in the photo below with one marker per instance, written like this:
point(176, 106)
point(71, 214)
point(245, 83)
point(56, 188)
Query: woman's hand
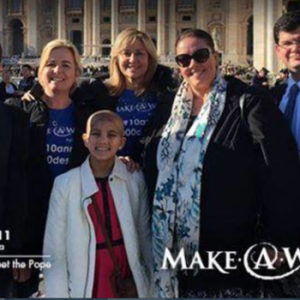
point(28, 97)
point(131, 165)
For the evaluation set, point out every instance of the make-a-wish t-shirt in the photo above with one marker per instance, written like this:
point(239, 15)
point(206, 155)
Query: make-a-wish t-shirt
point(60, 138)
point(135, 112)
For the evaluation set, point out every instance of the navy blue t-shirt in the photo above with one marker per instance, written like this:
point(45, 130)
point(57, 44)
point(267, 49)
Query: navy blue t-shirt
point(60, 138)
point(135, 111)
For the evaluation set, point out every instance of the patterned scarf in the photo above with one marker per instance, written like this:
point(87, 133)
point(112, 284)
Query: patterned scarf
point(180, 156)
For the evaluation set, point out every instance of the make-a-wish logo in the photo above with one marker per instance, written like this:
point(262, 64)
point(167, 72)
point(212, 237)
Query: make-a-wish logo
point(263, 261)
point(60, 131)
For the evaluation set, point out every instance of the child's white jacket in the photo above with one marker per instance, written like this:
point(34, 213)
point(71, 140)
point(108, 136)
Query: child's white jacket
point(70, 238)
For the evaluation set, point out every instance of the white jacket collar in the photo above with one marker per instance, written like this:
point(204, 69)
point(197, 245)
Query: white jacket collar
point(89, 185)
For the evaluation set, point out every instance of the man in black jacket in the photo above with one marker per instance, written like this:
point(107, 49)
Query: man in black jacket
point(13, 192)
point(287, 96)
point(28, 80)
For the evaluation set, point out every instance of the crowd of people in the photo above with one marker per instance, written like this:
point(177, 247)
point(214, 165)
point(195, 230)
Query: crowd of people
point(103, 177)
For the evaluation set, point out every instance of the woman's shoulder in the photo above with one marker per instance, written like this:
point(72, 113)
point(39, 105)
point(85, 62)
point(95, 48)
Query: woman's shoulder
point(165, 79)
point(27, 106)
point(120, 170)
point(94, 94)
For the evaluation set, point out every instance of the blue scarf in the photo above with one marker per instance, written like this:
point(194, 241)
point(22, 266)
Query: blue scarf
point(180, 156)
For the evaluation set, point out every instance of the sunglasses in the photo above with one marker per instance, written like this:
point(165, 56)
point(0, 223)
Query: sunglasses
point(200, 56)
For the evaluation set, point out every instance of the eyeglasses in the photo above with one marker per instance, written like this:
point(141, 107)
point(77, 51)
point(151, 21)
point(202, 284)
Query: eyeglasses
point(289, 44)
point(201, 56)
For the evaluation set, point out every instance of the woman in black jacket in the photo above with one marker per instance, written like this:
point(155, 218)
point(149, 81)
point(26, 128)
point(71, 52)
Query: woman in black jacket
point(224, 157)
point(57, 122)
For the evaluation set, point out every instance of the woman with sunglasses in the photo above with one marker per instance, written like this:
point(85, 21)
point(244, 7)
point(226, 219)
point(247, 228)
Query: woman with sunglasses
point(225, 157)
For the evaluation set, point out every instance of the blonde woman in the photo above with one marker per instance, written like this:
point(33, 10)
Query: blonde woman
point(138, 87)
point(57, 123)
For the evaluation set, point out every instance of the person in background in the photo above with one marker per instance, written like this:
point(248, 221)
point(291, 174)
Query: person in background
point(28, 80)
point(14, 135)
point(225, 157)
point(261, 79)
point(57, 122)
point(283, 77)
point(7, 88)
point(94, 203)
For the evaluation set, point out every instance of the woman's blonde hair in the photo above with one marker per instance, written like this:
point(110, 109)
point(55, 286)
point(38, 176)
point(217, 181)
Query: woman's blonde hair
point(117, 83)
point(60, 44)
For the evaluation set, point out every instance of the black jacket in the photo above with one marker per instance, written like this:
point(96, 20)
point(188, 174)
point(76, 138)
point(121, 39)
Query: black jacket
point(277, 93)
point(250, 169)
point(3, 94)
point(14, 136)
point(40, 177)
point(26, 84)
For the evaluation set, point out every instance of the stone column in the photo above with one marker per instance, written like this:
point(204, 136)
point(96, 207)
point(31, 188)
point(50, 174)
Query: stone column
point(270, 55)
point(142, 15)
point(7, 41)
point(200, 14)
point(232, 33)
point(32, 12)
point(172, 27)
point(279, 12)
point(260, 33)
point(161, 28)
point(1, 25)
point(265, 15)
point(96, 28)
point(114, 20)
point(61, 20)
point(87, 28)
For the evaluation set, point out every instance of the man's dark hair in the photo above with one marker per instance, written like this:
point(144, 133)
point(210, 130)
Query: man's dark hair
point(27, 66)
point(0, 53)
point(197, 33)
point(284, 71)
point(287, 23)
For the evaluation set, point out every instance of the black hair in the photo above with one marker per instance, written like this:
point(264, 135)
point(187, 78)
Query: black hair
point(265, 70)
point(0, 53)
point(287, 23)
point(197, 33)
point(27, 66)
point(284, 71)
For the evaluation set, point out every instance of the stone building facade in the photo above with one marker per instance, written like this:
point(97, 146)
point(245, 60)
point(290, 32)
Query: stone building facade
point(242, 29)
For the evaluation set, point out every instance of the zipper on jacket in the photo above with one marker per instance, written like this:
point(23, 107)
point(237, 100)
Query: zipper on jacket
point(88, 269)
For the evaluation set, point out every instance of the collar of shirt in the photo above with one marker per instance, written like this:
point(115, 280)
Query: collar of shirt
point(285, 97)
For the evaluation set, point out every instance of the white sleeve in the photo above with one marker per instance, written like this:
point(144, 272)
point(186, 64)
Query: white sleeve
point(56, 277)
